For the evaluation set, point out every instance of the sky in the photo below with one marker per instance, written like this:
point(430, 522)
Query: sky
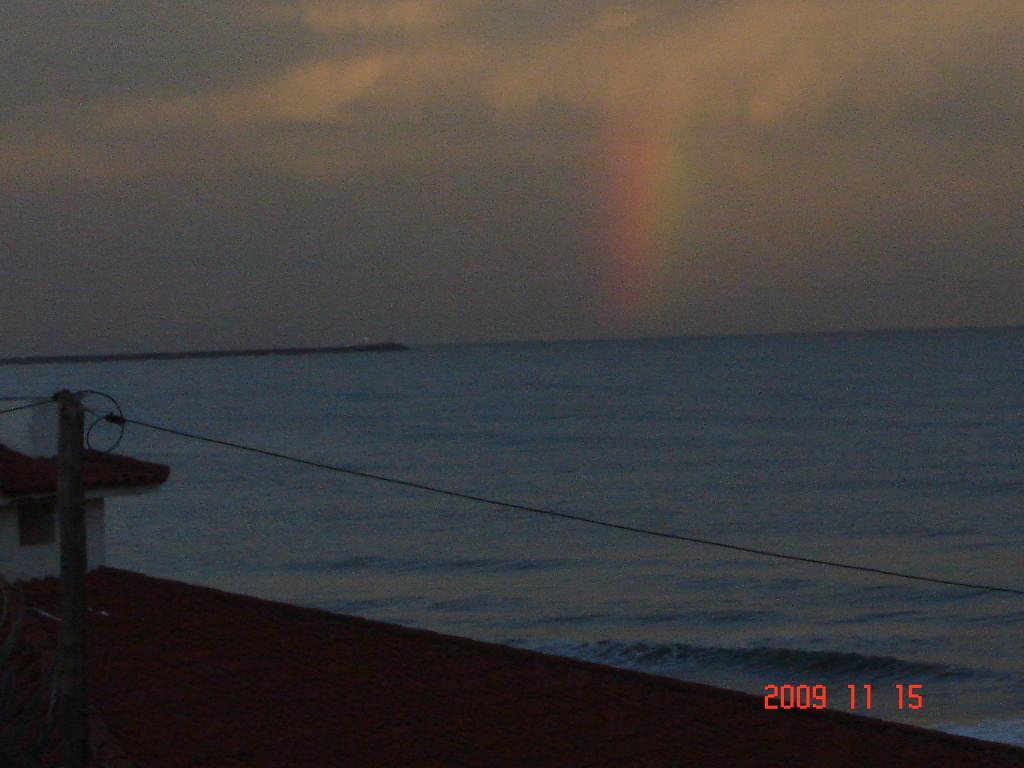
point(233, 173)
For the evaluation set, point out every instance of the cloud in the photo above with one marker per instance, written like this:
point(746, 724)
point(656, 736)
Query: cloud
point(822, 146)
point(314, 92)
point(612, 21)
point(730, 65)
point(68, 53)
point(777, 63)
point(756, 87)
point(336, 16)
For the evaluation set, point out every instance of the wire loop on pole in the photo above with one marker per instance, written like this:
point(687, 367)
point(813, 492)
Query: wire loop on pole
point(101, 418)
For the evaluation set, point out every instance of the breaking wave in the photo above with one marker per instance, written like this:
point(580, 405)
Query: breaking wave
point(1004, 731)
point(677, 659)
point(393, 564)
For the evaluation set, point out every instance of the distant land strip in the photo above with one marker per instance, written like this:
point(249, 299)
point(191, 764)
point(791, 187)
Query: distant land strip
point(389, 346)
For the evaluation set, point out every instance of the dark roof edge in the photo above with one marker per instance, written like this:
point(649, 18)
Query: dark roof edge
point(757, 702)
point(40, 632)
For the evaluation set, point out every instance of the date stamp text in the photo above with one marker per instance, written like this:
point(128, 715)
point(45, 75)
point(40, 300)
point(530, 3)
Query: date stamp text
point(855, 697)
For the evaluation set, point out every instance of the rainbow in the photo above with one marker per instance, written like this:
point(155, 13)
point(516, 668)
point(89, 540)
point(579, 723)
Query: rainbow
point(649, 186)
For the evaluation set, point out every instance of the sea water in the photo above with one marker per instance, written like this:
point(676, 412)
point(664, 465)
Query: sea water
point(899, 450)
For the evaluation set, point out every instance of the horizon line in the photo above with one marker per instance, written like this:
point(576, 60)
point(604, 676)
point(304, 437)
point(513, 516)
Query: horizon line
point(392, 346)
point(111, 357)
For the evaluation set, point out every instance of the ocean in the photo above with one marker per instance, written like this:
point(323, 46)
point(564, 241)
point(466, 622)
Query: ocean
point(896, 450)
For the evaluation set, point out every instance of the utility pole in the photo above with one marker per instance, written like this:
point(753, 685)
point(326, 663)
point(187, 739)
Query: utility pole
point(72, 712)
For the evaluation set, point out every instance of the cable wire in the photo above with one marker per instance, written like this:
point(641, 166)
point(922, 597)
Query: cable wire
point(100, 417)
point(118, 419)
point(36, 404)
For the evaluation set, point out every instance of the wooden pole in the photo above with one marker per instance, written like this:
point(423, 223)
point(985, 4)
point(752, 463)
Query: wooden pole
point(72, 714)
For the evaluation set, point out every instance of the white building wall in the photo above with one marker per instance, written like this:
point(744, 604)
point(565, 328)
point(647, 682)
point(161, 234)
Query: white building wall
point(32, 431)
point(19, 562)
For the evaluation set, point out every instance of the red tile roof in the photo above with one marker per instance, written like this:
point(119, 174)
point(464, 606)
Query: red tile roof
point(22, 475)
point(28, 734)
point(182, 676)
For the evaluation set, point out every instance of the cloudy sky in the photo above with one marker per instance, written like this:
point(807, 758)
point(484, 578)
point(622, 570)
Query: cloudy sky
point(225, 173)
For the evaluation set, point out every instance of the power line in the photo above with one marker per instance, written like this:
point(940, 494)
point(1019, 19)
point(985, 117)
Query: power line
point(29, 405)
point(121, 420)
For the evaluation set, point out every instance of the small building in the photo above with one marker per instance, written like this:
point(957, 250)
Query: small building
point(29, 531)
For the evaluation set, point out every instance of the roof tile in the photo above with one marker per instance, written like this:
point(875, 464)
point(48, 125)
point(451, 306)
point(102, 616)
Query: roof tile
point(22, 475)
point(189, 677)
